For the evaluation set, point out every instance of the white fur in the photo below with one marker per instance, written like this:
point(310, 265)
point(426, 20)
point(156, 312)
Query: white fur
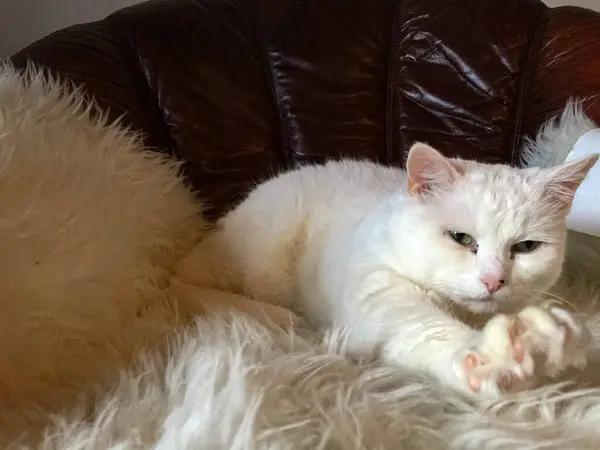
point(556, 137)
point(91, 225)
point(364, 246)
point(234, 384)
point(229, 382)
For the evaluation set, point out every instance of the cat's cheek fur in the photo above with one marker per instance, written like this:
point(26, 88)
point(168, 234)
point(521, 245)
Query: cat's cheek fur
point(429, 244)
point(442, 264)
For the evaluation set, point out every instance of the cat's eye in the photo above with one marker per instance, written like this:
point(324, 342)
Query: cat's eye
point(525, 246)
point(462, 238)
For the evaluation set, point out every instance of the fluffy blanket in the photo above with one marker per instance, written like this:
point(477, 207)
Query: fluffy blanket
point(91, 225)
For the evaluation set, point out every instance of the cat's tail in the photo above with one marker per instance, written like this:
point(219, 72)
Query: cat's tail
point(556, 137)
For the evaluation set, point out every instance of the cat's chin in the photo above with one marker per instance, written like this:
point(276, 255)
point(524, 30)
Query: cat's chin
point(480, 305)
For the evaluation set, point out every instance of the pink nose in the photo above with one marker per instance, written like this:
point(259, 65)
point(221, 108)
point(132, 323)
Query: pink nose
point(492, 282)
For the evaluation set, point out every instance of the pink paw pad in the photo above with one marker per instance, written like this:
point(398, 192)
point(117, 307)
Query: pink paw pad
point(511, 351)
point(477, 366)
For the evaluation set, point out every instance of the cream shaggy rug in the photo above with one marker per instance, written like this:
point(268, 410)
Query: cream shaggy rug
point(91, 225)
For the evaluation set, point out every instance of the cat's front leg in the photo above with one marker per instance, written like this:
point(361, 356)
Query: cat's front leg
point(506, 355)
point(430, 341)
point(406, 328)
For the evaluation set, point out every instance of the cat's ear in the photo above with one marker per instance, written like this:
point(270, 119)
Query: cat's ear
point(428, 170)
point(563, 181)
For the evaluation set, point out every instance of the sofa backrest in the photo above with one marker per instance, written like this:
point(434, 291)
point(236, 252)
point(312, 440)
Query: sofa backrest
point(242, 88)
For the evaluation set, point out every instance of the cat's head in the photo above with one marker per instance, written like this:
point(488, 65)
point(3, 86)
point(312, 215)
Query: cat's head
point(488, 235)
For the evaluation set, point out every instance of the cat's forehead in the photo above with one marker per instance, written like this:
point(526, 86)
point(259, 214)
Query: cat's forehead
point(502, 184)
point(506, 200)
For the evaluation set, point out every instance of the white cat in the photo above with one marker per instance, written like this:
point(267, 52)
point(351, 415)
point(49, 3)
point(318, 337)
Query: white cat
point(398, 256)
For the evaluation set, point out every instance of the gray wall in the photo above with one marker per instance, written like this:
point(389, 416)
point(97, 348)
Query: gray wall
point(592, 4)
point(24, 21)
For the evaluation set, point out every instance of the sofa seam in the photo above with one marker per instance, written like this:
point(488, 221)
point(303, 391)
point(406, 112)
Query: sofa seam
point(270, 82)
point(532, 58)
point(167, 141)
point(391, 87)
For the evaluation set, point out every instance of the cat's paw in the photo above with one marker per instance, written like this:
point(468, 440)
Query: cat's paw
point(511, 351)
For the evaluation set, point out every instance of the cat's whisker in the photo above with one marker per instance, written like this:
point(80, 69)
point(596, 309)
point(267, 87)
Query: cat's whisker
point(560, 300)
point(554, 296)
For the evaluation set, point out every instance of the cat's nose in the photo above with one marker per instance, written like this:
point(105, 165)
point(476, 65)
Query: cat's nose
point(493, 282)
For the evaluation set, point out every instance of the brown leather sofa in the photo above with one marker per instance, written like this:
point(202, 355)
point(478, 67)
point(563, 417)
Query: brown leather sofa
point(240, 88)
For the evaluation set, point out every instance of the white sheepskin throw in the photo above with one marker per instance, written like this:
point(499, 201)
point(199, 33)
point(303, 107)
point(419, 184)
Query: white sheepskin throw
point(90, 227)
point(91, 224)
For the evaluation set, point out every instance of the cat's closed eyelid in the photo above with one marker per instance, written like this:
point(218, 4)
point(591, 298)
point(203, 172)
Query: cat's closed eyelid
point(525, 247)
point(540, 240)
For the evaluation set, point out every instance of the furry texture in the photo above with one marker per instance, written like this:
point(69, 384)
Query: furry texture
point(230, 381)
point(395, 256)
point(91, 225)
point(234, 383)
point(556, 137)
